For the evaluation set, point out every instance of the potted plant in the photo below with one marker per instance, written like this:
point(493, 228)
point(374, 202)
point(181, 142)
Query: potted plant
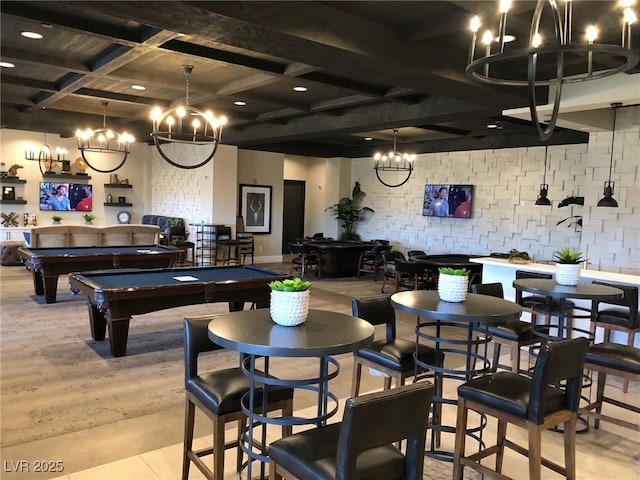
point(289, 301)
point(568, 266)
point(453, 284)
point(516, 256)
point(56, 219)
point(88, 218)
point(349, 211)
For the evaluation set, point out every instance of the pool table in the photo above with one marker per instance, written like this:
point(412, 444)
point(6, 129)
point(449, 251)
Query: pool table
point(114, 296)
point(339, 258)
point(46, 264)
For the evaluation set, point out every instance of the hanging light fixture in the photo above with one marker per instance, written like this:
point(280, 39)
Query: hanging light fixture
point(608, 200)
point(542, 200)
point(188, 125)
point(103, 141)
point(500, 67)
point(394, 161)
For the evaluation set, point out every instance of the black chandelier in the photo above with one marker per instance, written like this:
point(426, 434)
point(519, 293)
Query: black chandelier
point(103, 142)
point(394, 161)
point(542, 200)
point(608, 200)
point(185, 124)
point(498, 64)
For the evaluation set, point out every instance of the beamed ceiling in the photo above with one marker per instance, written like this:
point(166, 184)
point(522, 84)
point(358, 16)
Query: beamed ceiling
point(368, 67)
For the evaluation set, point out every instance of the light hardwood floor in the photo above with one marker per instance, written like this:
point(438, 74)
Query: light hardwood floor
point(147, 444)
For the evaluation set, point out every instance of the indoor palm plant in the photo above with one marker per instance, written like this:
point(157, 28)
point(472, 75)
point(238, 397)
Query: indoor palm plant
point(453, 284)
point(289, 301)
point(349, 212)
point(568, 266)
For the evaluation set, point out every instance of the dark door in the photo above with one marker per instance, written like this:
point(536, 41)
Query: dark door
point(292, 213)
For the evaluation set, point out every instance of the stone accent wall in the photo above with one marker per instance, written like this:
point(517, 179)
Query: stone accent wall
point(506, 185)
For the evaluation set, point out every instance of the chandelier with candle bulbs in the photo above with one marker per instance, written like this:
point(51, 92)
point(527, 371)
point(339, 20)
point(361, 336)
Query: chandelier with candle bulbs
point(185, 124)
point(393, 162)
point(573, 59)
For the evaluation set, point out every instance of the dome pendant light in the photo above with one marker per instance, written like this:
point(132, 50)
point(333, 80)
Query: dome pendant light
point(608, 200)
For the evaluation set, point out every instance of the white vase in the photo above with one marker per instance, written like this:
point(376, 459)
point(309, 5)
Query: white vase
point(453, 288)
point(567, 274)
point(289, 308)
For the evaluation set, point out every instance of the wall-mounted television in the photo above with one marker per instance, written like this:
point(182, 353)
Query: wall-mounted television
point(66, 196)
point(447, 200)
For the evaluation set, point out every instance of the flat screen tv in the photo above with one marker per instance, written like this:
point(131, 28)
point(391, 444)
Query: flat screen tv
point(447, 200)
point(66, 196)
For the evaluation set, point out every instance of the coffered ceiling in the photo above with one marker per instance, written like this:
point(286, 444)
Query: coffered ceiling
point(368, 67)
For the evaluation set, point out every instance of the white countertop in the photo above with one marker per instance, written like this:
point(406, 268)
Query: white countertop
point(547, 268)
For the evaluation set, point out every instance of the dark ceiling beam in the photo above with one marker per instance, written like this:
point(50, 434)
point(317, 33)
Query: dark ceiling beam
point(274, 30)
point(121, 97)
point(40, 59)
point(28, 82)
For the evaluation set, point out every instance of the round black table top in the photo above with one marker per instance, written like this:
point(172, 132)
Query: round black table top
point(549, 288)
point(324, 333)
point(475, 308)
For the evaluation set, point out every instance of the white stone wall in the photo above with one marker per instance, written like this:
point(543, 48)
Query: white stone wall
point(506, 184)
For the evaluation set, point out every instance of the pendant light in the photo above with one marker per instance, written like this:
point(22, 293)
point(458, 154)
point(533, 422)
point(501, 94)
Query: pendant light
point(542, 200)
point(608, 200)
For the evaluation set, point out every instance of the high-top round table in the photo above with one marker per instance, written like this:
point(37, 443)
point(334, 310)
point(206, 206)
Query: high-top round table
point(468, 315)
point(258, 338)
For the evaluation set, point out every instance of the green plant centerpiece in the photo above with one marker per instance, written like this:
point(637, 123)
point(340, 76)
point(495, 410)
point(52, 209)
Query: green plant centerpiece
point(515, 256)
point(568, 266)
point(56, 219)
point(453, 284)
point(289, 301)
point(349, 212)
point(88, 218)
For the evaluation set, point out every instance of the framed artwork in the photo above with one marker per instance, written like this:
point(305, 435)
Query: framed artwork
point(255, 208)
point(8, 193)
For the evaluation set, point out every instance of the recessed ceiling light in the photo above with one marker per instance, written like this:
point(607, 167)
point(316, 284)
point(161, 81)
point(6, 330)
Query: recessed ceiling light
point(240, 103)
point(368, 139)
point(138, 87)
point(300, 89)
point(7, 65)
point(492, 125)
point(32, 35)
point(46, 25)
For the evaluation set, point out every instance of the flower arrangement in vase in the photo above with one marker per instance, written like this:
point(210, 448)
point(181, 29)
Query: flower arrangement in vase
point(289, 301)
point(568, 266)
point(453, 284)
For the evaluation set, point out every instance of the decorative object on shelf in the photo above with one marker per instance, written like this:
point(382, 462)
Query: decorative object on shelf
point(104, 143)
point(61, 156)
point(10, 219)
point(113, 179)
point(453, 284)
point(569, 61)
point(573, 220)
point(516, 256)
point(80, 165)
point(8, 193)
point(88, 218)
point(56, 219)
point(349, 212)
point(30, 220)
point(122, 199)
point(289, 301)
point(3, 170)
point(608, 200)
point(124, 181)
point(13, 170)
point(187, 125)
point(124, 217)
point(542, 200)
point(255, 207)
point(109, 198)
point(394, 161)
point(568, 266)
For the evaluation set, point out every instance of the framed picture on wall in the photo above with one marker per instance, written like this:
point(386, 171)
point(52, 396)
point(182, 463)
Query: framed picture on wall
point(255, 208)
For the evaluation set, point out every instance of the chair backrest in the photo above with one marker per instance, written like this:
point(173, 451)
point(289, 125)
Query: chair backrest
point(196, 341)
point(413, 253)
point(382, 418)
point(376, 310)
point(297, 248)
point(557, 361)
point(491, 289)
point(246, 242)
point(523, 274)
point(381, 241)
point(318, 235)
point(409, 267)
point(177, 233)
point(629, 299)
point(390, 256)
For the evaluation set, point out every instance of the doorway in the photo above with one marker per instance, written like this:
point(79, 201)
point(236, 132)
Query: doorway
point(293, 212)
